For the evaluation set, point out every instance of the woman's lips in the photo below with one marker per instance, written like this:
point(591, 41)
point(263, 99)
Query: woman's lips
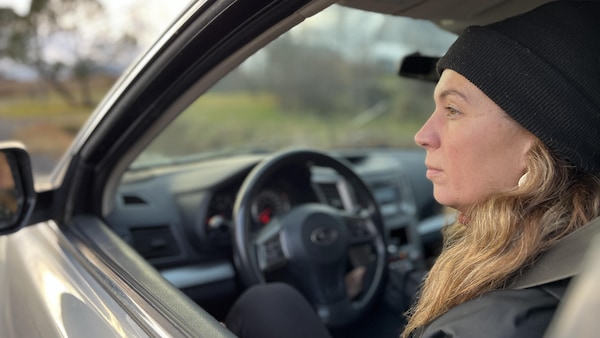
point(433, 172)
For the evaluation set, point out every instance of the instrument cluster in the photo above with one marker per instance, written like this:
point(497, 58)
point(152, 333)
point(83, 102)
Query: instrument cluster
point(270, 202)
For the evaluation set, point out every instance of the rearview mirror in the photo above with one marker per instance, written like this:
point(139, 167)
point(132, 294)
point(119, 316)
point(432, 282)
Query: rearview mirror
point(421, 67)
point(17, 195)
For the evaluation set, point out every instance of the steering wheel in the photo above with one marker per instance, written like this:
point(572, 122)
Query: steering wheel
point(310, 244)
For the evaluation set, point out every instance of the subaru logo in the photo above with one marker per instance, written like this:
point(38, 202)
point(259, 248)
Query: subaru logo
point(323, 236)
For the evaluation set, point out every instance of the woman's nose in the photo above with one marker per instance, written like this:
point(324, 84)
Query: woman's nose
point(427, 136)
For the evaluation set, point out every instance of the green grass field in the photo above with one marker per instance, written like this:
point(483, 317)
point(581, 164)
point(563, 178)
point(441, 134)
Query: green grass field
point(215, 121)
point(239, 120)
point(42, 120)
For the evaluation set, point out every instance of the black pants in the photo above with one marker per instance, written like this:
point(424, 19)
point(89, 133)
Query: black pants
point(274, 310)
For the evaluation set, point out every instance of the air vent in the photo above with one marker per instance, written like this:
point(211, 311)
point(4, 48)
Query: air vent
point(133, 200)
point(332, 195)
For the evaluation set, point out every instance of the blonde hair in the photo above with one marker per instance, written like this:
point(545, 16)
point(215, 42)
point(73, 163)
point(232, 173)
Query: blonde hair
point(505, 234)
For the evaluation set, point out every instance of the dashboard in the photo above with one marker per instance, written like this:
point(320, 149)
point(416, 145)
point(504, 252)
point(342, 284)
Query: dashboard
point(180, 218)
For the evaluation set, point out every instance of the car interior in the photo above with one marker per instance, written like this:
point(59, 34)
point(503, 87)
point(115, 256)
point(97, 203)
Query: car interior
point(180, 213)
point(300, 137)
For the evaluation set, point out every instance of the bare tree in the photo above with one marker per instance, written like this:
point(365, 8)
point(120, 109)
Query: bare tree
point(73, 25)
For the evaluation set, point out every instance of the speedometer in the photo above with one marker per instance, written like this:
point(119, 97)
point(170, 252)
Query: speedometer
point(268, 204)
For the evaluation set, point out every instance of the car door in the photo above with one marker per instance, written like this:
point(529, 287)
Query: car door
point(66, 273)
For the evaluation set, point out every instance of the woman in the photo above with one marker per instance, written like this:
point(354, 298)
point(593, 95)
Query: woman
point(514, 146)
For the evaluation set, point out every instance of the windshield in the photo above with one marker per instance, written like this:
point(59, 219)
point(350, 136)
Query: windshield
point(329, 83)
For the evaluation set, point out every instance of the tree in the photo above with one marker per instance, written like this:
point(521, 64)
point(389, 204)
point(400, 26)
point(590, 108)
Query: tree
point(71, 24)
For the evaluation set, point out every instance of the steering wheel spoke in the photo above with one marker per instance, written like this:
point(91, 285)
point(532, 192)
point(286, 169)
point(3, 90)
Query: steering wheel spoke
point(361, 230)
point(269, 248)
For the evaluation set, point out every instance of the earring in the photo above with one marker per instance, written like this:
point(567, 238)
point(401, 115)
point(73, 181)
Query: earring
point(522, 179)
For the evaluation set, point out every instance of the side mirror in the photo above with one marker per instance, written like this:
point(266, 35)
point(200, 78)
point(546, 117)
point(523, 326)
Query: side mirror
point(421, 67)
point(17, 195)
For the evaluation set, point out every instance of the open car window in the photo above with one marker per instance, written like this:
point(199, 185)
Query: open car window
point(326, 84)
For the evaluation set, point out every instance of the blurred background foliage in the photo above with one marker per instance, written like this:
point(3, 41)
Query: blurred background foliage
point(327, 83)
point(58, 58)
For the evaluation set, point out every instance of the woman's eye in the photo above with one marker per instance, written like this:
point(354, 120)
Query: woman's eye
point(451, 112)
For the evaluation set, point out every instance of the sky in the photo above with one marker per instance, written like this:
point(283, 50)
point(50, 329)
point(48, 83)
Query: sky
point(22, 6)
point(145, 19)
point(156, 15)
point(19, 6)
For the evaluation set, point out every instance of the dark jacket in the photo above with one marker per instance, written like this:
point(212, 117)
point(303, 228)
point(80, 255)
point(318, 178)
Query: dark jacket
point(510, 313)
point(526, 308)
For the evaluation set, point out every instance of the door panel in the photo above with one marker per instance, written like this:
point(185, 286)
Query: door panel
point(48, 293)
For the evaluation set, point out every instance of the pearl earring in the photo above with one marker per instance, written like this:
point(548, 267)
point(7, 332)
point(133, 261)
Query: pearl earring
point(522, 179)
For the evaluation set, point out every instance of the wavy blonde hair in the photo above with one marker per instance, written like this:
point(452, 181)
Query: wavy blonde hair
point(505, 234)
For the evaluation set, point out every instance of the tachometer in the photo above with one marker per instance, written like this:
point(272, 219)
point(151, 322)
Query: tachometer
point(268, 204)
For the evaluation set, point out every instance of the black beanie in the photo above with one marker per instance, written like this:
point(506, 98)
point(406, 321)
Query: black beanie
point(543, 69)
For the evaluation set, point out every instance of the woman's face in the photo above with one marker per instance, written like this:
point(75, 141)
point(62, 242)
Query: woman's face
point(474, 149)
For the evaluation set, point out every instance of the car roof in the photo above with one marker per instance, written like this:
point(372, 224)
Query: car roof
point(452, 15)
